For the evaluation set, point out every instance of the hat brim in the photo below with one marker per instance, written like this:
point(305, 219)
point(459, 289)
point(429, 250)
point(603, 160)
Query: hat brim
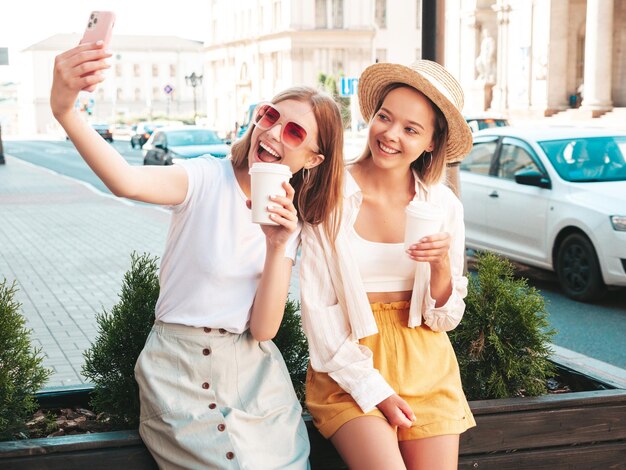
point(376, 78)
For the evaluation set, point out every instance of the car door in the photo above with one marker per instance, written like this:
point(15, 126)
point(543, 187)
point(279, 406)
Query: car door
point(475, 187)
point(517, 213)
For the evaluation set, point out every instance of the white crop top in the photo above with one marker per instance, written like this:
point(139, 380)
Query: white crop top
point(384, 267)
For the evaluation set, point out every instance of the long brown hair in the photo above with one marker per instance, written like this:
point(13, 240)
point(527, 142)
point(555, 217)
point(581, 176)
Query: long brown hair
point(318, 199)
point(432, 171)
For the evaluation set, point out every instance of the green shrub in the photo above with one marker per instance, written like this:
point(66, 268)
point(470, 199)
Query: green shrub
point(292, 344)
point(122, 333)
point(21, 372)
point(503, 342)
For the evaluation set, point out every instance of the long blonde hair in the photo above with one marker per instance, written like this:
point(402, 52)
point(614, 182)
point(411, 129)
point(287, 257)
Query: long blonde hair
point(319, 196)
point(431, 172)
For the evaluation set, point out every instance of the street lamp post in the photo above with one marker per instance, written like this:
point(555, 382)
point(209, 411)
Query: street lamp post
point(194, 80)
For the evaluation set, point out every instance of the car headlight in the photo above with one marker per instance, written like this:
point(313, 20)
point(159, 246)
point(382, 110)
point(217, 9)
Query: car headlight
point(619, 222)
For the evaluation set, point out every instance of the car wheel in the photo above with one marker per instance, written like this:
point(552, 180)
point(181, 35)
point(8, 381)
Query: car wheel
point(578, 268)
point(132, 144)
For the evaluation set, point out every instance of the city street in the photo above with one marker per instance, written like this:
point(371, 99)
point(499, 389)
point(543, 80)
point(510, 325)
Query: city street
point(107, 231)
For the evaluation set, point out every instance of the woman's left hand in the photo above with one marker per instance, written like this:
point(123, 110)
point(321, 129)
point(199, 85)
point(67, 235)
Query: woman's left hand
point(283, 212)
point(433, 249)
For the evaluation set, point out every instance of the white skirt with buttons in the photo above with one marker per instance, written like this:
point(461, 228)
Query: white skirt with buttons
point(214, 399)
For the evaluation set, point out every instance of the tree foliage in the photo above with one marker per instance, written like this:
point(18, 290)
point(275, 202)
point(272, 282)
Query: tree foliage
point(21, 372)
point(329, 84)
point(503, 342)
point(122, 332)
point(292, 344)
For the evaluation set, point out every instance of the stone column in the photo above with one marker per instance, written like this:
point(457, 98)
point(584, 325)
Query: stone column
point(501, 90)
point(598, 55)
point(557, 99)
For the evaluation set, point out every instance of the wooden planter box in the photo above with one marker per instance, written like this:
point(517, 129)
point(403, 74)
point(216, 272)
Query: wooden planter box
point(585, 429)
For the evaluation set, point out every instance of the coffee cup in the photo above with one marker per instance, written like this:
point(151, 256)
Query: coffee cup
point(422, 219)
point(266, 180)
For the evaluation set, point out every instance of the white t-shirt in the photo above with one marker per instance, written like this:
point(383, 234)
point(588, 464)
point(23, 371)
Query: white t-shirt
point(214, 254)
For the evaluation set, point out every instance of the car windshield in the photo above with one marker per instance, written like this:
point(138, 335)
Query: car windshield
point(193, 137)
point(588, 159)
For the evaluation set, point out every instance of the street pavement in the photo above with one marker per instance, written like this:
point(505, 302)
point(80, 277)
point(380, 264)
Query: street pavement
point(68, 246)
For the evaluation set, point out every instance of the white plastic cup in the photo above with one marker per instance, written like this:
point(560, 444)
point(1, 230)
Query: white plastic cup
point(266, 180)
point(422, 219)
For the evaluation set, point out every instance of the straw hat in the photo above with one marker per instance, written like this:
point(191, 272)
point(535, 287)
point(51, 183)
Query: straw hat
point(432, 80)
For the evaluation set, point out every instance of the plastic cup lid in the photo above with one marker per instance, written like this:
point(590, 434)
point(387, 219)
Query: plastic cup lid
point(262, 167)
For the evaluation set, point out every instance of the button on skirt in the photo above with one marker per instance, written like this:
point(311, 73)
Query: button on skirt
point(214, 399)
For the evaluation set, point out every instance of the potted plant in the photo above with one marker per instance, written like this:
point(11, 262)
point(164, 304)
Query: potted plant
point(503, 340)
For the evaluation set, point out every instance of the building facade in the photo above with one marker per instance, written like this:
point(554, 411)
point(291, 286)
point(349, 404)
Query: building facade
point(141, 69)
point(257, 48)
point(538, 57)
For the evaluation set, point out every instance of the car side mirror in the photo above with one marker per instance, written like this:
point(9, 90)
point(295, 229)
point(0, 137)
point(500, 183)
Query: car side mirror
point(533, 178)
point(160, 146)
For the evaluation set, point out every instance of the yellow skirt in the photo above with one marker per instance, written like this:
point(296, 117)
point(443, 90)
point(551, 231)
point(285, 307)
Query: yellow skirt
point(418, 363)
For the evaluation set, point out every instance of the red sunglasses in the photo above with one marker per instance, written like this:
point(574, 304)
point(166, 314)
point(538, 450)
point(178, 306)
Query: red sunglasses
point(293, 135)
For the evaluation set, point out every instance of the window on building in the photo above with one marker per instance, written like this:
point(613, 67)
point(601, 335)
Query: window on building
point(172, 70)
point(136, 70)
point(214, 31)
point(100, 95)
point(137, 94)
point(119, 94)
point(156, 93)
point(118, 70)
point(321, 14)
point(380, 14)
point(276, 12)
point(276, 65)
point(155, 70)
point(381, 55)
point(337, 13)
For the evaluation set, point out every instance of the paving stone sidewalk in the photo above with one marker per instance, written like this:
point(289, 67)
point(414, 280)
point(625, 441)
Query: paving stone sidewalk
point(68, 247)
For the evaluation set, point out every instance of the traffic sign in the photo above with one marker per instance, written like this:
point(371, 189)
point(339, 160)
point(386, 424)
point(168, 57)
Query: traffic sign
point(348, 86)
point(168, 89)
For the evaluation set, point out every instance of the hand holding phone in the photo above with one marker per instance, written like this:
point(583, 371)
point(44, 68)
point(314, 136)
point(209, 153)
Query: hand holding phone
point(99, 27)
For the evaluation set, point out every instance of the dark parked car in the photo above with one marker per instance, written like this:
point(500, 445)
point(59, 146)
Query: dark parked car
point(479, 122)
point(104, 130)
point(168, 144)
point(141, 133)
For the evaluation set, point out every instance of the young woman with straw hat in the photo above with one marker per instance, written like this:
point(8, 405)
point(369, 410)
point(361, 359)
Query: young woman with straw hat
point(376, 313)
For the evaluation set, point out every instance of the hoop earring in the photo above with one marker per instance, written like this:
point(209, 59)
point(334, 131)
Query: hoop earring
point(430, 159)
point(306, 176)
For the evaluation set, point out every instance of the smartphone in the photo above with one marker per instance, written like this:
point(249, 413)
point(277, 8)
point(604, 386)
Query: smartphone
point(99, 27)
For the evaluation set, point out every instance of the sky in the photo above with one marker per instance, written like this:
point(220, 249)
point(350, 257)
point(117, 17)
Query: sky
point(26, 22)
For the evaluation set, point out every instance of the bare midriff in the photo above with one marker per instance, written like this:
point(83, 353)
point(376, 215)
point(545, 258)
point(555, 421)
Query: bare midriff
point(386, 297)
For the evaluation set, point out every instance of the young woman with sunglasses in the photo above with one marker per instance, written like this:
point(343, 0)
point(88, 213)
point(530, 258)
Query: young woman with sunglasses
point(383, 383)
point(214, 391)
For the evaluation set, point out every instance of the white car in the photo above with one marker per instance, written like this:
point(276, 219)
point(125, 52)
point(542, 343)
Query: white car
point(551, 197)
